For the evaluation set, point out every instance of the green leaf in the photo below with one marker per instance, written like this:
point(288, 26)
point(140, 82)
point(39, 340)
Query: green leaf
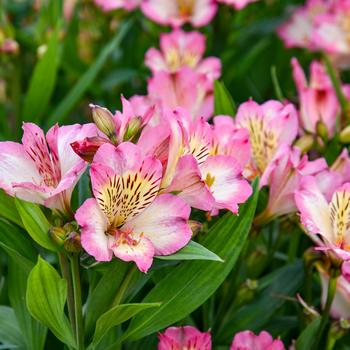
point(307, 337)
point(42, 82)
point(193, 251)
point(116, 316)
point(223, 101)
point(35, 223)
point(88, 77)
point(10, 334)
point(283, 283)
point(191, 283)
point(8, 209)
point(46, 297)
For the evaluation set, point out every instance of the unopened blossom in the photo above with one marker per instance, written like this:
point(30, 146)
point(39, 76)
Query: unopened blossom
point(186, 88)
point(283, 176)
point(270, 125)
point(127, 217)
point(44, 169)
point(237, 4)
point(298, 31)
point(318, 100)
point(181, 338)
point(110, 5)
point(247, 340)
point(178, 12)
point(182, 49)
point(328, 218)
point(340, 308)
point(341, 166)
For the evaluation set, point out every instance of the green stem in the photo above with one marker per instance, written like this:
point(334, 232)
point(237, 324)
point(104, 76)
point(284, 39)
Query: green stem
point(276, 84)
point(120, 294)
point(344, 103)
point(70, 297)
point(332, 287)
point(79, 325)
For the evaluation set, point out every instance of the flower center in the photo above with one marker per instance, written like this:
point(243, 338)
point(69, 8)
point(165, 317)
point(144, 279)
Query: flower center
point(185, 7)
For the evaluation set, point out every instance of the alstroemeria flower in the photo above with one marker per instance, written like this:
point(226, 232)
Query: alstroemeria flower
point(178, 12)
point(340, 308)
point(186, 88)
point(43, 169)
point(110, 5)
point(318, 100)
point(128, 217)
point(247, 340)
point(181, 338)
point(270, 125)
point(330, 219)
point(341, 166)
point(237, 4)
point(283, 176)
point(180, 49)
point(298, 30)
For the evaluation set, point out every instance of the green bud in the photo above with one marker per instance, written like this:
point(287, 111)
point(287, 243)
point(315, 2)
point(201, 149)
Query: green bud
point(72, 243)
point(321, 130)
point(195, 226)
point(133, 129)
point(58, 235)
point(344, 136)
point(305, 143)
point(104, 121)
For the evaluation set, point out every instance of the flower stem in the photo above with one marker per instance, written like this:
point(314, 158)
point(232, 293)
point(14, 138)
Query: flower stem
point(332, 287)
point(70, 296)
point(79, 325)
point(120, 294)
point(344, 103)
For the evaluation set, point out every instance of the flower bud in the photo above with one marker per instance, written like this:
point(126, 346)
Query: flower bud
point(195, 226)
point(9, 46)
point(321, 130)
point(72, 243)
point(58, 235)
point(87, 148)
point(305, 143)
point(104, 121)
point(133, 129)
point(344, 136)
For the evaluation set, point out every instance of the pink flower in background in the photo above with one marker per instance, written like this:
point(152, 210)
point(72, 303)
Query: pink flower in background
point(43, 169)
point(283, 175)
point(318, 100)
point(186, 88)
point(187, 337)
point(127, 217)
point(341, 303)
point(247, 340)
point(270, 125)
point(330, 219)
point(179, 49)
point(298, 30)
point(341, 166)
point(178, 12)
point(237, 4)
point(110, 5)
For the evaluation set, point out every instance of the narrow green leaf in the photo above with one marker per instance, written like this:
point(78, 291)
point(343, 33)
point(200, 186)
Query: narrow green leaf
point(276, 84)
point(88, 77)
point(191, 283)
point(117, 315)
point(46, 297)
point(10, 334)
point(307, 337)
point(8, 209)
point(223, 101)
point(42, 82)
point(35, 223)
point(193, 251)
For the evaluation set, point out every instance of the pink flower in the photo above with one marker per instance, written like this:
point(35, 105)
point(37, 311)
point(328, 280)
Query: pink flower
point(43, 169)
point(186, 88)
point(330, 219)
point(341, 166)
point(318, 100)
point(179, 49)
point(237, 4)
point(178, 12)
point(110, 5)
point(128, 217)
point(187, 337)
point(283, 175)
point(298, 30)
point(247, 340)
point(270, 125)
